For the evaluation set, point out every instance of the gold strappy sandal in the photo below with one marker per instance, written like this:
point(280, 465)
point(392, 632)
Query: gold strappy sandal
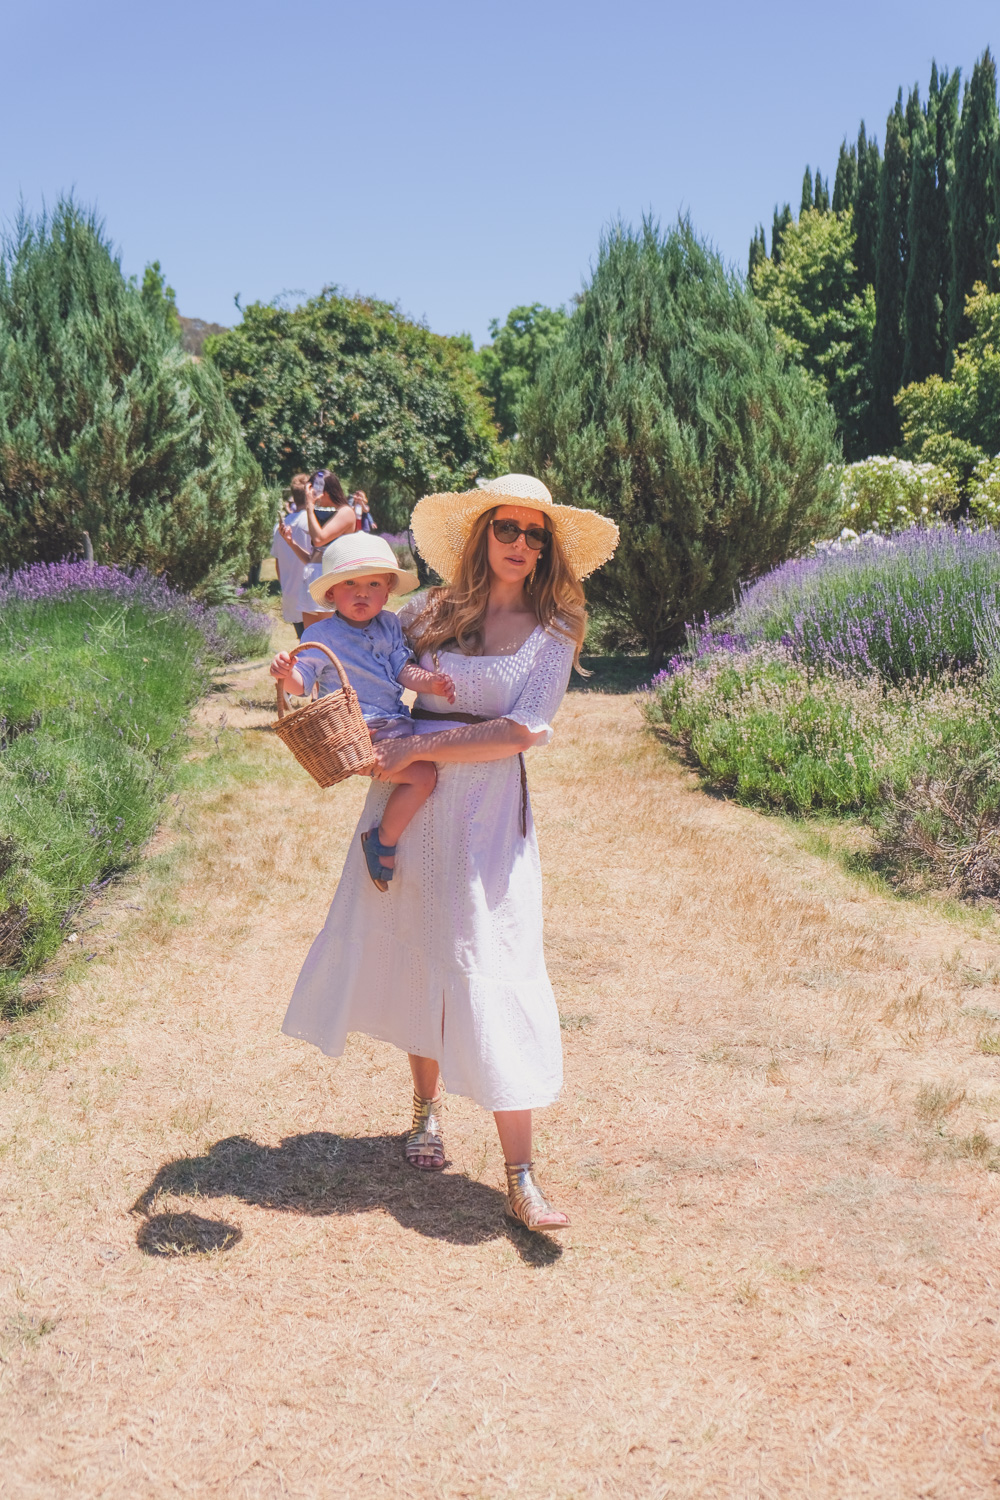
point(425, 1138)
point(526, 1203)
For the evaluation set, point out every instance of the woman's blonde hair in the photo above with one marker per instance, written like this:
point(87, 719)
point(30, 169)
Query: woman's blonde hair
point(455, 613)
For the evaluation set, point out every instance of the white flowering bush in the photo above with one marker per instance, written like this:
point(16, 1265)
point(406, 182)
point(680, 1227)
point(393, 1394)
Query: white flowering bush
point(984, 491)
point(887, 494)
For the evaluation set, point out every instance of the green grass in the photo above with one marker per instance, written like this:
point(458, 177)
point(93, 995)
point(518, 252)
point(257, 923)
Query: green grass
point(95, 690)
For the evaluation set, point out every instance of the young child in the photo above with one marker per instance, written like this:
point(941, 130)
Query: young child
point(359, 574)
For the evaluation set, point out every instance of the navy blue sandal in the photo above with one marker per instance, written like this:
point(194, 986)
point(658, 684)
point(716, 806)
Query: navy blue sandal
point(381, 874)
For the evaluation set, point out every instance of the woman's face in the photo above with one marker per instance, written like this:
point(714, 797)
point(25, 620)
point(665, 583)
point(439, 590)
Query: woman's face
point(512, 562)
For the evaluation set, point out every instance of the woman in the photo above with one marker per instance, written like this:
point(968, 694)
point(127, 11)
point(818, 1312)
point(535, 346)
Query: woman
point(343, 522)
point(450, 968)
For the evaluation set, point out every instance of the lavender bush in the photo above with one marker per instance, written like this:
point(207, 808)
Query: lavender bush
point(905, 606)
point(98, 670)
point(842, 678)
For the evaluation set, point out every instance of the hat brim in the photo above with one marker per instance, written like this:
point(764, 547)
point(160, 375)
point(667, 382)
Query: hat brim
point(441, 526)
point(405, 583)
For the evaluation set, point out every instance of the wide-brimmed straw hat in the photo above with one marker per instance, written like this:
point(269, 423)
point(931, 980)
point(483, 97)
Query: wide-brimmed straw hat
point(359, 556)
point(442, 524)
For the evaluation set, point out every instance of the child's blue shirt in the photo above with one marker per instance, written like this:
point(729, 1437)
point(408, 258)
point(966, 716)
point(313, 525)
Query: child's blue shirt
point(372, 655)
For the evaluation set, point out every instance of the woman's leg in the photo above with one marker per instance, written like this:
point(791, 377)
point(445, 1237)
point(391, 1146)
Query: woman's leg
point(426, 1076)
point(424, 1147)
point(525, 1200)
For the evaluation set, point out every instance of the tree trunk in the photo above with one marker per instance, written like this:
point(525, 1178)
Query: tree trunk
point(88, 550)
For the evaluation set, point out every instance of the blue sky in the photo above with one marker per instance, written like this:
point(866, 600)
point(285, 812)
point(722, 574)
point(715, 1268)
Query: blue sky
point(457, 158)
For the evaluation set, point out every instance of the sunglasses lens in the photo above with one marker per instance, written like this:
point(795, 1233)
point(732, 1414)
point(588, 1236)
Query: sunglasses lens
point(506, 531)
point(536, 537)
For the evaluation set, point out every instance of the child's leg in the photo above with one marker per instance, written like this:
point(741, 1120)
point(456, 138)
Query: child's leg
point(413, 785)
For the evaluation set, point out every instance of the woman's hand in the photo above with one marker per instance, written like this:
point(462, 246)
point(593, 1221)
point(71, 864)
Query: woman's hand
point(394, 755)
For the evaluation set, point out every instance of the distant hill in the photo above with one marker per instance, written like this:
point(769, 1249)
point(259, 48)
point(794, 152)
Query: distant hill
point(194, 332)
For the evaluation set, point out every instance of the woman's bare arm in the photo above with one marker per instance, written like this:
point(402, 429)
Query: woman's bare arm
point(498, 739)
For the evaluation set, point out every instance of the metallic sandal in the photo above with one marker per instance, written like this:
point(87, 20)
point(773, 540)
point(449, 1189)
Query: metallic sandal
point(526, 1203)
point(424, 1138)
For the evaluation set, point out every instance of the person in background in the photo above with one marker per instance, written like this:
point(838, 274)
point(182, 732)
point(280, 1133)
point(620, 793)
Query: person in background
point(343, 522)
point(362, 510)
point(291, 548)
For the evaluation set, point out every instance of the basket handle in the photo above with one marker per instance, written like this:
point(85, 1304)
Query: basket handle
point(308, 646)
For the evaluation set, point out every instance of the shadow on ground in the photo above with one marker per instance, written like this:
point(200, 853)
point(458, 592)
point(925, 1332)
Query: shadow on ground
point(611, 674)
point(321, 1173)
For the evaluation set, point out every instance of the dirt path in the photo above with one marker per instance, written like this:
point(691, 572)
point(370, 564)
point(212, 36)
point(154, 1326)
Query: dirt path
point(774, 1144)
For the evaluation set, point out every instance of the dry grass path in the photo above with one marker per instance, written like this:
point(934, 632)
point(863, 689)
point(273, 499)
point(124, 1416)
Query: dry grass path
point(774, 1143)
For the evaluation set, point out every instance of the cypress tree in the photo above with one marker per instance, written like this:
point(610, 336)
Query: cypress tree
point(973, 204)
point(821, 195)
point(669, 407)
point(779, 224)
point(807, 192)
point(890, 271)
point(758, 251)
point(845, 183)
point(928, 230)
point(866, 208)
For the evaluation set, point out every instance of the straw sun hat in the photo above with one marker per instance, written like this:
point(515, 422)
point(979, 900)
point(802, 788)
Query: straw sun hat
point(359, 556)
point(442, 524)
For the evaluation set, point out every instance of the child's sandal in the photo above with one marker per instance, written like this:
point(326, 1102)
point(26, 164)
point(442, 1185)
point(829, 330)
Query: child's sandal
point(380, 874)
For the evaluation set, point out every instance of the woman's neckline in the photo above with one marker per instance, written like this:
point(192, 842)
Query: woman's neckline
point(496, 656)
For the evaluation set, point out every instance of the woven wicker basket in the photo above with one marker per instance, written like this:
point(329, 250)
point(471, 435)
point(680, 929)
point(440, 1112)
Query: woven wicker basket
point(329, 737)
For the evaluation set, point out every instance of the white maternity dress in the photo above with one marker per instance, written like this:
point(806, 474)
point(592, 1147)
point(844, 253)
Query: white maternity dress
point(449, 963)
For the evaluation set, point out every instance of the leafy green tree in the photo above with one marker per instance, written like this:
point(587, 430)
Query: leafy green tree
point(890, 280)
point(350, 384)
point(509, 365)
point(866, 208)
point(821, 195)
point(810, 298)
point(669, 407)
point(779, 227)
point(106, 426)
point(807, 192)
point(973, 202)
point(845, 183)
point(956, 422)
point(925, 339)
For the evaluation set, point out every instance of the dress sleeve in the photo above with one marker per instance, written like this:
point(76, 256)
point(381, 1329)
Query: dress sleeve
point(543, 692)
point(408, 612)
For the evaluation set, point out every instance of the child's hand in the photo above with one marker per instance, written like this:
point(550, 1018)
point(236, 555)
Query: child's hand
point(282, 666)
point(442, 686)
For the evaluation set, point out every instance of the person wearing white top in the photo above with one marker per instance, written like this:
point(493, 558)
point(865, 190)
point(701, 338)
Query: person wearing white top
point(449, 966)
point(291, 533)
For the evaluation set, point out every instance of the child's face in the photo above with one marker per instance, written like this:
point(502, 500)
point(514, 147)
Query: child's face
point(360, 599)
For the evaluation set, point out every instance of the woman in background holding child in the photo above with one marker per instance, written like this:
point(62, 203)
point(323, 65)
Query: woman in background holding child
point(450, 968)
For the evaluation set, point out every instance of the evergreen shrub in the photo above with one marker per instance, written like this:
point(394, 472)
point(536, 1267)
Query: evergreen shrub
point(107, 426)
point(668, 406)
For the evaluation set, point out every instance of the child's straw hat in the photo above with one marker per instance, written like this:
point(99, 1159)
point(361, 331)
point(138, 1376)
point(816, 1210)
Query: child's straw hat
point(442, 524)
point(359, 556)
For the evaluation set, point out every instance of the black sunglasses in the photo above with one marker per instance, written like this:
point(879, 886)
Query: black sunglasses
point(508, 531)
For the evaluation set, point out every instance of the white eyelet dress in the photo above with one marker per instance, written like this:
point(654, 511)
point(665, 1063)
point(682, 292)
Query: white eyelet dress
point(449, 963)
